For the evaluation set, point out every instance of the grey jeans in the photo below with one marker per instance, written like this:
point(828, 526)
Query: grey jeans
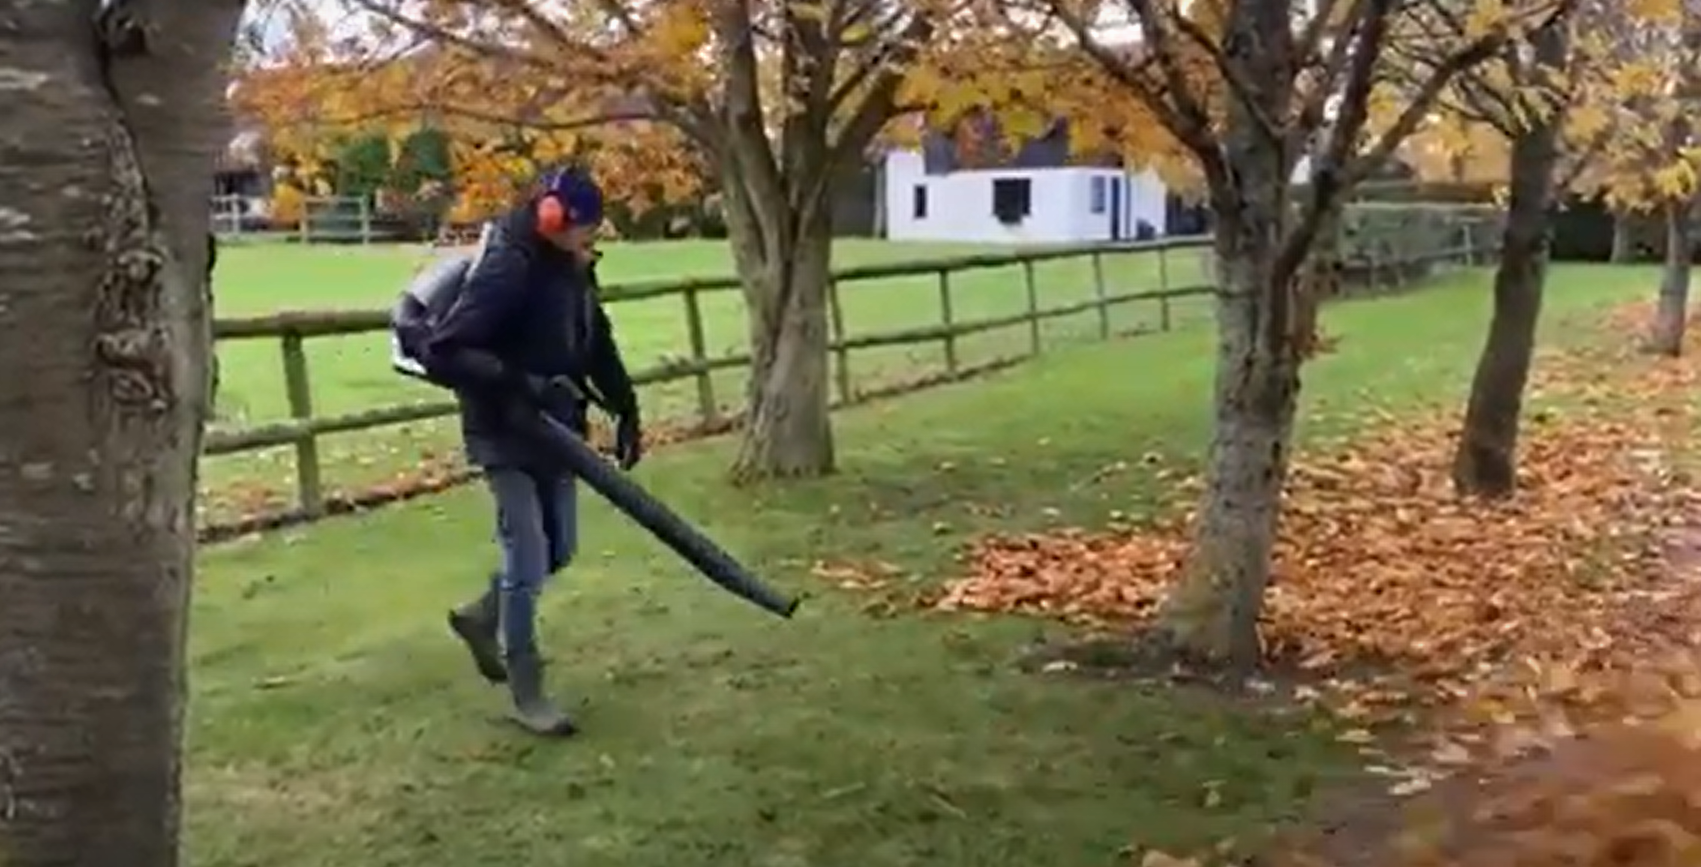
point(537, 527)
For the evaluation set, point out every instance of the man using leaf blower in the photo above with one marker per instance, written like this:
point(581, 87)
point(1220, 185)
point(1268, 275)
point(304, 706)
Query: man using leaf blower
point(526, 335)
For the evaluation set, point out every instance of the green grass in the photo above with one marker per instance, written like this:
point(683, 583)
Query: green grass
point(353, 373)
point(334, 722)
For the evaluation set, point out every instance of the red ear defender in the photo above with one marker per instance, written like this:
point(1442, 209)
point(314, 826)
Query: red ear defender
point(551, 215)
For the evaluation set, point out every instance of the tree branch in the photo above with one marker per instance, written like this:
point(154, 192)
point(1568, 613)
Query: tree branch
point(443, 35)
point(1184, 117)
point(1242, 87)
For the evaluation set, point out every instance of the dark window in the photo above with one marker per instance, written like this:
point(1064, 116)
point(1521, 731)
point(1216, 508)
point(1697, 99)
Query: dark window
point(918, 202)
point(1098, 195)
point(1012, 199)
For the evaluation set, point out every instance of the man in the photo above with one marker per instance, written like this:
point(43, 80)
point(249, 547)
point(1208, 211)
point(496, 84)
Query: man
point(526, 335)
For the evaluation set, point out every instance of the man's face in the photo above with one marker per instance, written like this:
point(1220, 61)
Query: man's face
point(578, 240)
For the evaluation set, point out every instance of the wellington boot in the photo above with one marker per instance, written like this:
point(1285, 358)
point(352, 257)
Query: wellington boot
point(477, 624)
point(533, 710)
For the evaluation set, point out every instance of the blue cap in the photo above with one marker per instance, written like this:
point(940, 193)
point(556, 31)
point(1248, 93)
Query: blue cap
point(578, 193)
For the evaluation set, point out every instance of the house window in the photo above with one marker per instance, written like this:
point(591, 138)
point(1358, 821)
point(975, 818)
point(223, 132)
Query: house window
point(1098, 195)
point(918, 202)
point(1012, 199)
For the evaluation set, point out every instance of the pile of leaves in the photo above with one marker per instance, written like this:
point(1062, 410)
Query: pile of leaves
point(1379, 561)
point(1381, 568)
point(1591, 769)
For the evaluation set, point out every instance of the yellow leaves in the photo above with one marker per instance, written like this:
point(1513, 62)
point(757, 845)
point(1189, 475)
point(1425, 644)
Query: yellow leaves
point(1484, 17)
point(1673, 181)
point(289, 204)
point(681, 31)
point(1586, 122)
point(1655, 11)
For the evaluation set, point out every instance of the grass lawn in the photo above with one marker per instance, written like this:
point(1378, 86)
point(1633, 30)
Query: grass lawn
point(334, 722)
point(353, 373)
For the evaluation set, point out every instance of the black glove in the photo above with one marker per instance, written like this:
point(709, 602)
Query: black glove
point(628, 441)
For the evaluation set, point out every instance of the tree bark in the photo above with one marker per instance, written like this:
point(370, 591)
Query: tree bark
point(780, 224)
point(1484, 463)
point(105, 175)
point(1623, 241)
point(1212, 614)
point(1671, 314)
point(1264, 324)
point(788, 431)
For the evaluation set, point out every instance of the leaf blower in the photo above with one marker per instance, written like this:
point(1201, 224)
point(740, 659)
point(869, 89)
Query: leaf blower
point(432, 292)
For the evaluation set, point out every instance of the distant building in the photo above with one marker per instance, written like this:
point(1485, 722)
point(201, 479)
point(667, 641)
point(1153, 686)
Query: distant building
point(967, 185)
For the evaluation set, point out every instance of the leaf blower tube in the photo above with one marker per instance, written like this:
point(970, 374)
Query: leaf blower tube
point(430, 294)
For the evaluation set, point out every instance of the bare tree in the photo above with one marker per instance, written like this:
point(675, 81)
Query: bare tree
point(113, 114)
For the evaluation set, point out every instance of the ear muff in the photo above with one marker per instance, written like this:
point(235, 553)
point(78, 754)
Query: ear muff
point(552, 216)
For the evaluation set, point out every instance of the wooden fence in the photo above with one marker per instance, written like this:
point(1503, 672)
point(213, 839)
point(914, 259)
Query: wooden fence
point(304, 428)
point(337, 220)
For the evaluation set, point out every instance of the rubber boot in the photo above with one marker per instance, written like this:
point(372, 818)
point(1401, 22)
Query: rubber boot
point(533, 710)
point(477, 624)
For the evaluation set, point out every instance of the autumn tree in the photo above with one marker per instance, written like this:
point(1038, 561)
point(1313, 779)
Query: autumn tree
point(113, 120)
point(1293, 85)
point(776, 100)
point(1524, 92)
point(1651, 160)
point(1683, 190)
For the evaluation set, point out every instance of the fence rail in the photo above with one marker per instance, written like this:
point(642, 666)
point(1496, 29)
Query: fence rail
point(293, 329)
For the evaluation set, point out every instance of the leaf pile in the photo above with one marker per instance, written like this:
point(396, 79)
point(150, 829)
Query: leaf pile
point(1596, 769)
point(1378, 562)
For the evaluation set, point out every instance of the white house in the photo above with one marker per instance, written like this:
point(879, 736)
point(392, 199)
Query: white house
point(1056, 204)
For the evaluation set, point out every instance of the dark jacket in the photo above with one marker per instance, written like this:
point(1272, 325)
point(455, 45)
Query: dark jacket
point(526, 311)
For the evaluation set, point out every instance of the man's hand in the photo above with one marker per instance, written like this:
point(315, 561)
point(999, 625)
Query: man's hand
point(628, 441)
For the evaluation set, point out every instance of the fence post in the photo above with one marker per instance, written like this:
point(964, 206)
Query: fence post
point(309, 493)
point(836, 310)
point(1099, 296)
point(1163, 287)
point(365, 221)
point(1033, 305)
point(948, 320)
point(707, 411)
point(1469, 232)
point(306, 220)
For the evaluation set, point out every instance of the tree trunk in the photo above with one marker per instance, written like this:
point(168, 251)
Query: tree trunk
point(788, 431)
point(1623, 241)
point(105, 175)
point(1672, 312)
point(1485, 460)
point(1265, 321)
point(1212, 615)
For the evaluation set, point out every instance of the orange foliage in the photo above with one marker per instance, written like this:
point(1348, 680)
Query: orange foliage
point(289, 204)
point(1028, 85)
point(1554, 632)
point(609, 85)
point(1379, 562)
point(1622, 90)
point(504, 126)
